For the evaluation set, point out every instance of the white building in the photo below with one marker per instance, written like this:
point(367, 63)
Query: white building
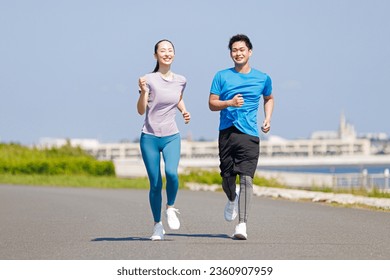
point(323, 148)
point(342, 142)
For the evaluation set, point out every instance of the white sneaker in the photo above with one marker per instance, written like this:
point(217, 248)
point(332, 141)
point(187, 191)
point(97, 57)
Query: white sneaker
point(240, 232)
point(231, 209)
point(158, 232)
point(173, 221)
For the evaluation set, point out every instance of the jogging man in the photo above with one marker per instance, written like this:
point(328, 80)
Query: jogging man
point(236, 93)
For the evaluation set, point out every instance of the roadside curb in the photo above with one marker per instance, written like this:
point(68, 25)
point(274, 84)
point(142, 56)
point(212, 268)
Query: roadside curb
point(292, 194)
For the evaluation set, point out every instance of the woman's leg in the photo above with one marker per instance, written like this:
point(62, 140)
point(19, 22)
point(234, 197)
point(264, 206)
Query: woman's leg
point(171, 154)
point(151, 157)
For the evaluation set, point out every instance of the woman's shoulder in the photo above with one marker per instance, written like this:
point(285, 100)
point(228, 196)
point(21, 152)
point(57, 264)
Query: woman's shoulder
point(180, 78)
point(151, 74)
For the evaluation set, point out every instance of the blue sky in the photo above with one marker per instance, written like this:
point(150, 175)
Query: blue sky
point(70, 68)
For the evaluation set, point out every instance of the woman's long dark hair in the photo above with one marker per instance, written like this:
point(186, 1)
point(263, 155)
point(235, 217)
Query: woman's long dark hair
point(155, 52)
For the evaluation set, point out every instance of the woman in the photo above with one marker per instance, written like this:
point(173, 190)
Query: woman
point(161, 92)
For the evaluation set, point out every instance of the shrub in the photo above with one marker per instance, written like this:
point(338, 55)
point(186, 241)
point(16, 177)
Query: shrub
point(67, 160)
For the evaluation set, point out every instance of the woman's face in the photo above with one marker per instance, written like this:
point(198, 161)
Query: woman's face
point(165, 53)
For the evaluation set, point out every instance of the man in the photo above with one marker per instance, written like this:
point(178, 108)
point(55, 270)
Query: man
point(236, 93)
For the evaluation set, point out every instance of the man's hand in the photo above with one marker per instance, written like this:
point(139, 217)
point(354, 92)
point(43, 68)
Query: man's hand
point(266, 126)
point(237, 101)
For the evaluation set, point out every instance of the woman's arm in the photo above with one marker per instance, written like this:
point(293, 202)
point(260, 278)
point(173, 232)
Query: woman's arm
point(182, 108)
point(143, 96)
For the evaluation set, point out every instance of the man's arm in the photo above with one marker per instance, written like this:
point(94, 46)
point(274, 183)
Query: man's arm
point(268, 109)
point(217, 105)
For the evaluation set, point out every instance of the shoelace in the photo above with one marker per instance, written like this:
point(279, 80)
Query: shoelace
point(174, 209)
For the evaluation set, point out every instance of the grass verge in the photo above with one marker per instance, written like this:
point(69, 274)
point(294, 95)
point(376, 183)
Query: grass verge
point(75, 181)
point(193, 175)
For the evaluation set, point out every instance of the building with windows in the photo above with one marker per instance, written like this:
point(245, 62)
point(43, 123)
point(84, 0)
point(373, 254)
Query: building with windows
point(343, 142)
point(322, 148)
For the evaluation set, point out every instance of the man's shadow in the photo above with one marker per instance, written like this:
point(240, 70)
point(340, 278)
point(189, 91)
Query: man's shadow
point(137, 238)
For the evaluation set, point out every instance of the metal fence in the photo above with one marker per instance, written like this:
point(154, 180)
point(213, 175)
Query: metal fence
point(379, 181)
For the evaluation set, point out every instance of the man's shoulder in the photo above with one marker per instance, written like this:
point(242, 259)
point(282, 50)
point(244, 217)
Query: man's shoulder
point(224, 74)
point(255, 71)
point(226, 71)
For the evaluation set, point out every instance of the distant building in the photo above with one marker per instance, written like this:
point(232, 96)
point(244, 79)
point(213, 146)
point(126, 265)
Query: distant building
point(48, 142)
point(321, 143)
point(345, 131)
point(342, 142)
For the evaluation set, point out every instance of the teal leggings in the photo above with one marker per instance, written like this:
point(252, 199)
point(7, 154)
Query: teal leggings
point(151, 148)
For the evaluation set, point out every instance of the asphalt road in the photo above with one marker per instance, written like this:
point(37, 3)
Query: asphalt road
point(51, 223)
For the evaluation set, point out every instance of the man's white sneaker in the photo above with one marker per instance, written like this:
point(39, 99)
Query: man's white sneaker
point(240, 232)
point(231, 209)
point(173, 221)
point(158, 232)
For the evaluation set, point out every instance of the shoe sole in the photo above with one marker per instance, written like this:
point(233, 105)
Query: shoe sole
point(156, 238)
point(240, 236)
point(174, 228)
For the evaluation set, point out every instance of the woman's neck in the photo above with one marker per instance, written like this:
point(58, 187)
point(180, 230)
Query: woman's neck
point(164, 70)
point(165, 73)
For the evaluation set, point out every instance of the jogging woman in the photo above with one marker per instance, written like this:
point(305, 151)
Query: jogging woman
point(161, 94)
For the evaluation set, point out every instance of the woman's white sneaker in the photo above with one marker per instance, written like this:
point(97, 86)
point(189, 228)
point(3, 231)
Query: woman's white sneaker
point(172, 220)
point(158, 232)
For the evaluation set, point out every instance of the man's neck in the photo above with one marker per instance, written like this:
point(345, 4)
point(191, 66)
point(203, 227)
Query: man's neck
point(243, 69)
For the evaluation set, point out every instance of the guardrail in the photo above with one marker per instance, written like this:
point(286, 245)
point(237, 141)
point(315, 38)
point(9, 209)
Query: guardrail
point(379, 181)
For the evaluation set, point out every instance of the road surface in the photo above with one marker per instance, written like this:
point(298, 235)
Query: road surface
point(52, 223)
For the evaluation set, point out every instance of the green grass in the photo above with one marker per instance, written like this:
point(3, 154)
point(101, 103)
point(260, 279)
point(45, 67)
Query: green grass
point(191, 175)
point(202, 176)
point(75, 181)
point(67, 160)
point(375, 192)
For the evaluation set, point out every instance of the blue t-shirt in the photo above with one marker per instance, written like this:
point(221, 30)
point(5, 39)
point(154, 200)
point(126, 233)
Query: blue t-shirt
point(227, 83)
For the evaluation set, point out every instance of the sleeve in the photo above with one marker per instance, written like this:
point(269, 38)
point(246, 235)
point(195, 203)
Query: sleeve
point(267, 87)
point(184, 84)
point(216, 85)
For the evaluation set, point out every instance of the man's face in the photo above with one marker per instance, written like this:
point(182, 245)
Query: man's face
point(240, 53)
